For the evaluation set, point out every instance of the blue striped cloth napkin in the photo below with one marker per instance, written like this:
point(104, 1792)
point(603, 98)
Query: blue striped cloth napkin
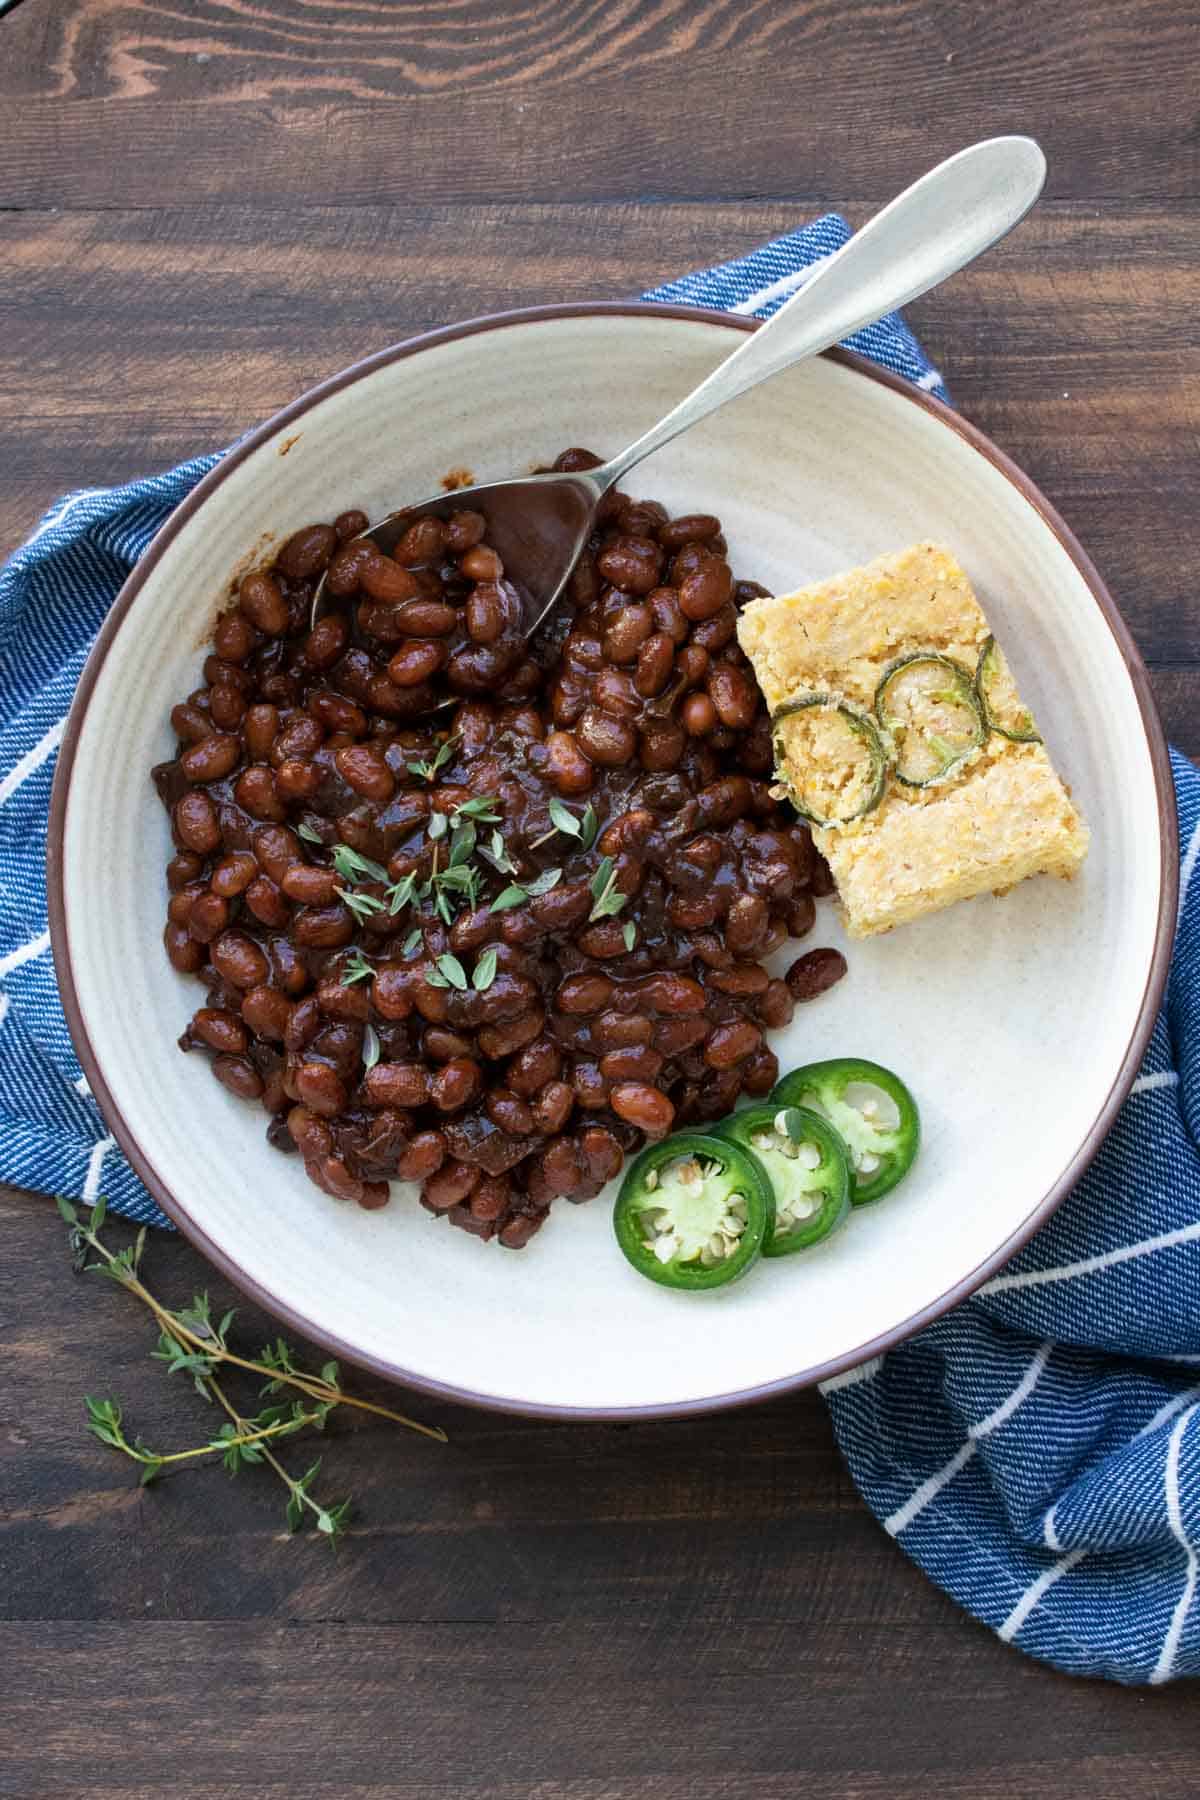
point(1037, 1451)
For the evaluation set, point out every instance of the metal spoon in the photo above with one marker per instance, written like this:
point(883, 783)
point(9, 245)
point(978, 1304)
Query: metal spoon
point(538, 524)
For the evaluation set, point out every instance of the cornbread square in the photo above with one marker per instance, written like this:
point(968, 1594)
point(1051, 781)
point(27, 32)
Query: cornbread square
point(1000, 814)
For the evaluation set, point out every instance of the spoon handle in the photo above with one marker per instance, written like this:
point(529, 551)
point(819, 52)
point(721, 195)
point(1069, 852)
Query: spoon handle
point(933, 228)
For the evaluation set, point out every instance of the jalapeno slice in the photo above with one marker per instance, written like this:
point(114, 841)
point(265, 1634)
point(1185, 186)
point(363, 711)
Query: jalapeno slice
point(841, 754)
point(929, 708)
point(694, 1211)
point(808, 1166)
point(999, 700)
point(872, 1112)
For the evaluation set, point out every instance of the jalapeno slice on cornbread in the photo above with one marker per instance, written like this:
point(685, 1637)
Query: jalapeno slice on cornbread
point(840, 754)
point(999, 700)
point(927, 705)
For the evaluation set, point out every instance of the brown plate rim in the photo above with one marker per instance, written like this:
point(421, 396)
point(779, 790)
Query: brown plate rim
point(391, 1371)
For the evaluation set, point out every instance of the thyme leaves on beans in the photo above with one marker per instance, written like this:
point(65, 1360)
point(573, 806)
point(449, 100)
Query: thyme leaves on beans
point(352, 867)
point(629, 933)
point(356, 968)
point(309, 832)
point(361, 905)
point(427, 770)
point(191, 1342)
point(485, 971)
point(608, 899)
point(447, 972)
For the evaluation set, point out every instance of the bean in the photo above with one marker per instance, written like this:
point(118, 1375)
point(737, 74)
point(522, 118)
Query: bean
point(760, 1072)
point(350, 524)
point(692, 664)
point(179, 907)
point(724, 801)
point(628, 632)
point(259, 729)
point(261, 600)
point(310, 1134)
point(552, 1107)
point(391, 992)
point(310, 886)
point(692, 912)
point(209, 916)
point(276, 848)
point(714, 634)
point(691, 528)
point(566, 766)
point(239, 1075)
point(492, 609)
point(500, 1040)
point(706, 589)
point(604, 739)
point(425, 1155)
point(698, 715)
point(636, 1062)
point(584, 994)
point(456, 1084)
point(303, 1025)
point(361, 766)
point(676, 1035)
point(268, 1013)
point(821, 882)
point(491, 1197)
point(602, 1154)
point(516, 1233)
point(440, 1045)
point(423, 542)
point(321, 1089)
point(538, 1063)
point(559, 1167)
point(814, 972)
point(589, 1086)
point(256, 793)
point(746, 924)
point(417, 662)
point(346, 1004)
point(323, 927)
point(776, 1006)
point(219, 672)
point(450, 1184)
point(463, 530)
point(426, 619)
point(734, 695)
point(508, 1113)
point(471, 931)
point(183, 952)
point(743, 978)
point(662, 745)
point(267, 903)
point(667, 992)
point(227, 708)
point(644, 1107)
point(613, 691)
point(656, 660)
point(221, 1030)
point(337, 713)
point(481, 564)
point(402, 1085)
point(307, 552)
point(631, 564)
point(345, 568)
point(603, 940)
point(189, 724)
point(196, 826)
point(732, 1043)
point(238, 960)
point(619, 1031)
point(233, 640)
point(431, 1002)
point(212, 759)
point(801, 915)
point(668, 619)
point(325, 642)
point(185, 867)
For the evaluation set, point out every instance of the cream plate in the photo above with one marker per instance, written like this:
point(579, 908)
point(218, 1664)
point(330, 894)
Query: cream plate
point(1019, 1023)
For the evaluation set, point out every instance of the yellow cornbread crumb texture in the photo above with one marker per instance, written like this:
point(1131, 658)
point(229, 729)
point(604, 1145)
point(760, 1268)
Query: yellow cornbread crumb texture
point(1000, 817)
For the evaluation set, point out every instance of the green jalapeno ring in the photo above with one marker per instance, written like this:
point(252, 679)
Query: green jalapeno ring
point(861, 727)
point(726, 1195)
point(991, 668)
point(812, 1197)
point(960, 691)
point(882, 1153)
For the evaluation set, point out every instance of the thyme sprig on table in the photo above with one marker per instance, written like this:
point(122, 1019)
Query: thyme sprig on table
point(192, 1342)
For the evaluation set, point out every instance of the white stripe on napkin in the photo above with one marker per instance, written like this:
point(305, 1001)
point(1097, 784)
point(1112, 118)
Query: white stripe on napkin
point(24, 953)
point(1170, 1649)
point(1093, 1265)
point(32, 759)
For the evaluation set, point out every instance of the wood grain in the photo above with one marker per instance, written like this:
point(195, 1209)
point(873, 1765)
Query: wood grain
point(688, 1611)
point(275, 103)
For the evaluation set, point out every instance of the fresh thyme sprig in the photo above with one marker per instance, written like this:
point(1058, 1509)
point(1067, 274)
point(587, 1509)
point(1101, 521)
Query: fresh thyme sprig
point(192, 1342)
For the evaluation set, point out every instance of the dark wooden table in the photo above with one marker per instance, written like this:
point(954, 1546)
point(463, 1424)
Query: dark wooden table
point(203, 209)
